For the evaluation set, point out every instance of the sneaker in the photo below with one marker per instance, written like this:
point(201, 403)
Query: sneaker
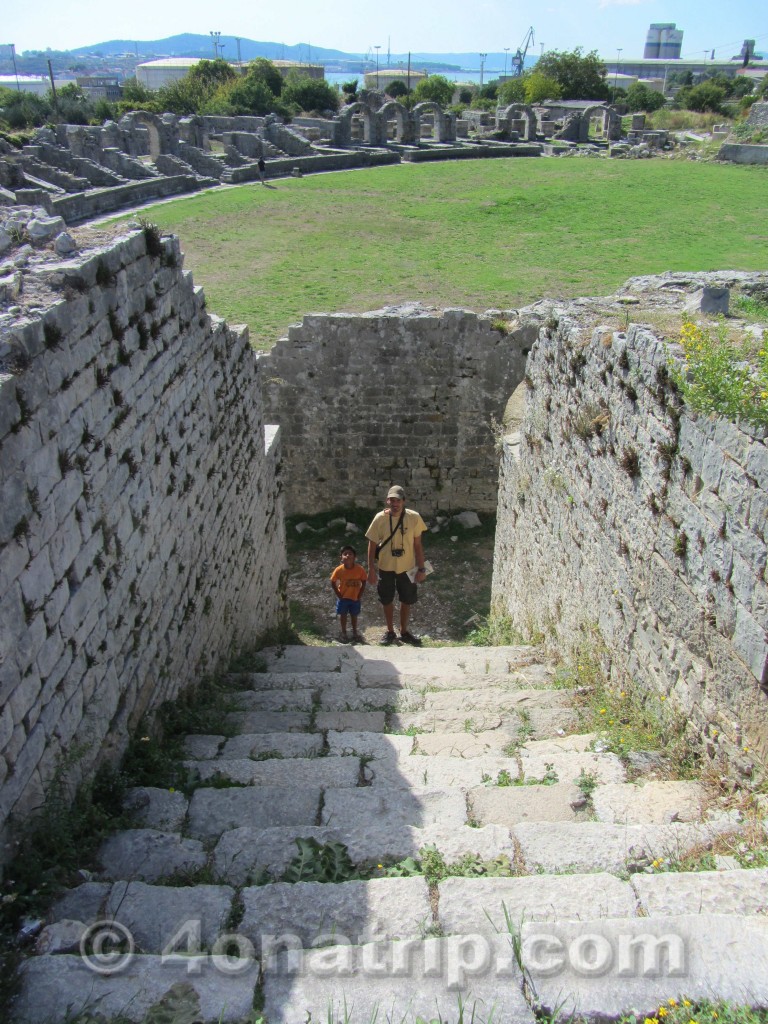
point(387, 639)
point(409, 638)
point(343, 638)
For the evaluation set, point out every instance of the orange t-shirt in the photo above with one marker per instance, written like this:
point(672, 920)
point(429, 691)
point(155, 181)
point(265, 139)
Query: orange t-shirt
point(350, 581)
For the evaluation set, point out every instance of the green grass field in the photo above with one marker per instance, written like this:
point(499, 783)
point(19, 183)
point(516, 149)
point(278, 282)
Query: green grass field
point(478, 234)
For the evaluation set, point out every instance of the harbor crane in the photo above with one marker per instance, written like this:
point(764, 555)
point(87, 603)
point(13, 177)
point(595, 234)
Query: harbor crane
point(518, 61)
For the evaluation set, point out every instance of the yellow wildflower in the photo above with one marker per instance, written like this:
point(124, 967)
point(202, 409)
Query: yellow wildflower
point(662, 1011)
point(672, 1002)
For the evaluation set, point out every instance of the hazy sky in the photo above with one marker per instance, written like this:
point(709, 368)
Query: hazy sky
point(418, 25)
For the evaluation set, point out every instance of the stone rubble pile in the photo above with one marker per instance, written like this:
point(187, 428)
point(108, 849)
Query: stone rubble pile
point(367, 757)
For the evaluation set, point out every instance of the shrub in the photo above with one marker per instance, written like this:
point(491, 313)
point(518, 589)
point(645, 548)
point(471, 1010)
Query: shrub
point(310, 94)
point(396, 88)
point(721, 376)
point(435, 88)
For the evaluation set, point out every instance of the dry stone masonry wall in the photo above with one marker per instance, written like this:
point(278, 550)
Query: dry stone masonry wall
point(620, 509)
point(141, 525)
point(402, 395)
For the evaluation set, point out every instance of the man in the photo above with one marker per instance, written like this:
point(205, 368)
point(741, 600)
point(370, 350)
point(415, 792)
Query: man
point(396, 533)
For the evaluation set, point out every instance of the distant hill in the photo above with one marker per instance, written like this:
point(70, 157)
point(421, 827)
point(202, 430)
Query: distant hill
point(189, 44)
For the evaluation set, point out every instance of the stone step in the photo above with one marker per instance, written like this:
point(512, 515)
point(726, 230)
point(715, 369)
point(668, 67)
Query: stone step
point(213, 811)
point(649, 802)
point(512, 805)
point(339, 772)
point(245, 854)
point(491, 906)
point(319, 914)
point(669, 894)
point(454, 980)
point(204, 988)
point(602, 967)
point(562, 847)
point(434, 661)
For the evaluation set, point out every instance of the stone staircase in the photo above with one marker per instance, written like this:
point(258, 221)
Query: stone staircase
point(371, 757)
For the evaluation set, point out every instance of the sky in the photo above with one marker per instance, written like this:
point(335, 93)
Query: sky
point(433, 26)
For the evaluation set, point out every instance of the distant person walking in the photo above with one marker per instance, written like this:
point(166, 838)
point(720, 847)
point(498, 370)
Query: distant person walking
point(394, 538)
point(262, 170)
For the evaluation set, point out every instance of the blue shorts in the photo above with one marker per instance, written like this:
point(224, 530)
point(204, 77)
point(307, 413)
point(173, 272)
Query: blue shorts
point(345, 606)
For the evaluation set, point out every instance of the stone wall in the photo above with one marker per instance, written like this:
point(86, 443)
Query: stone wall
point(141, 523)
point(403, 395)
point(743, 153)
point(625, 517)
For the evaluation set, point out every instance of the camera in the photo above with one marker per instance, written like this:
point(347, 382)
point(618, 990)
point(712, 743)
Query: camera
point(398, 552)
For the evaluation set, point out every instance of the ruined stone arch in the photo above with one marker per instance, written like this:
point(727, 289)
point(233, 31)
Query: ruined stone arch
point(611, 121)
point(520, 112)
point(162, 131)
point(366, 115)
point(404, 127)
point(439, 133)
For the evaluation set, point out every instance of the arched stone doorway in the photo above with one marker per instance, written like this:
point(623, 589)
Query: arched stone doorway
point(430, 122)
point(396, 123)
point(357, 125)
point(511, 116)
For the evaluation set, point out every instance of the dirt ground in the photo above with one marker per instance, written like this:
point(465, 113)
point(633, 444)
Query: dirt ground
point(452, 601)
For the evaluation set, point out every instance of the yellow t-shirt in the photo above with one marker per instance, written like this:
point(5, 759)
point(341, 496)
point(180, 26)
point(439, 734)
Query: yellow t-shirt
point(412, 527)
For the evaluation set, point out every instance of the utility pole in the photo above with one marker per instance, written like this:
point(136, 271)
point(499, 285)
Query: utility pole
point(239, 62)
point(482, 65)
point(12, 48)
point(53, 90)
point(506, 51)
point(377, 48)
point(215, 36)
point(616, 75)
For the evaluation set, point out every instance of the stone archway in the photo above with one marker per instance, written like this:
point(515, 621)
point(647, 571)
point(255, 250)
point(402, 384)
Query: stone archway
point(422, 111)
point(520, 112)
point(394, 113)
point(163, 134)
point(357, 123)
point(598, 111)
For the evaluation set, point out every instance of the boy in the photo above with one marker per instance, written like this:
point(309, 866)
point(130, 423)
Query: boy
point(348, 583)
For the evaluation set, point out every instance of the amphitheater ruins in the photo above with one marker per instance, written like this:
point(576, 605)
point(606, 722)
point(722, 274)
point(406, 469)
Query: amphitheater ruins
point(148, 457)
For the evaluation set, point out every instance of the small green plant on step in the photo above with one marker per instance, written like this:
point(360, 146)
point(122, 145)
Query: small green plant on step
point(587, 783)
point(316, 862)
point(679, 1009)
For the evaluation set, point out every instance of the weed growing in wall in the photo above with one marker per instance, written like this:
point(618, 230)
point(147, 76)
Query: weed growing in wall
point(723, 376)
point(626, 717)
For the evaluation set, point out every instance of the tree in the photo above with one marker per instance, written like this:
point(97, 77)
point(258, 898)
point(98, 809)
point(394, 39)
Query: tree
point(263, 70)
point(490, 90)
point(135, 92)
point(209, 74)
point(309, 94)
point(434, 89)
point(512, 91)
point(702, 98)
point(742, 87)
point(350, 90)
point(396, 88)
point(579, 77)
point(539, 87)
point(248, 95)
point(640, 97)
point(72, 104)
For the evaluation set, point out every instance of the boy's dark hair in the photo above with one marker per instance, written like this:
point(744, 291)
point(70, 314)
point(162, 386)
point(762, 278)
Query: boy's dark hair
point(348, 547)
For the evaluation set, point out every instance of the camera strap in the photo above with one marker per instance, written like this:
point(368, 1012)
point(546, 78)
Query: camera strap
point(399, 524)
